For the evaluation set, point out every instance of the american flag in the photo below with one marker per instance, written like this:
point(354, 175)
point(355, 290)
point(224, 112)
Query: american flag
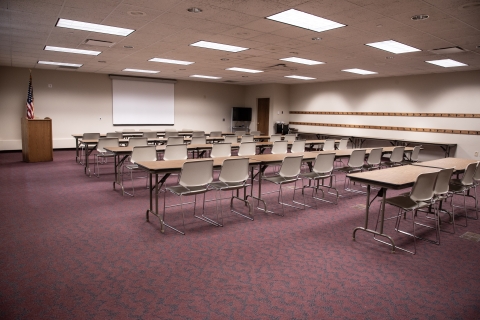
point(30, 99)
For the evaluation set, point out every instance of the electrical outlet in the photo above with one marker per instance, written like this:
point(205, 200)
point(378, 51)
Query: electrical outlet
point(476, 154)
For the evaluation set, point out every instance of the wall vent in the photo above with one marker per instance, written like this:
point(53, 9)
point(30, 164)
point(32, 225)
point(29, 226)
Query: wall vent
point(448, 50)
point(99, 43)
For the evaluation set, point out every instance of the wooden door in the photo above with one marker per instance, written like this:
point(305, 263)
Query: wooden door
point(263, 112)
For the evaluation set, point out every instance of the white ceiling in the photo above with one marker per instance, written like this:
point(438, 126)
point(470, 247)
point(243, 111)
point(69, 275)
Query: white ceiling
point(167, 29)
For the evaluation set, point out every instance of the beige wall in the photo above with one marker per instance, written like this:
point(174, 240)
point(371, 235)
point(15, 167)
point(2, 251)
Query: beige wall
point(456, 92)
point(82, 102)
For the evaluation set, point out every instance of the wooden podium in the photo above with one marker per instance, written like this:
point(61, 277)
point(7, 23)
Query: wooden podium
point(37, 143)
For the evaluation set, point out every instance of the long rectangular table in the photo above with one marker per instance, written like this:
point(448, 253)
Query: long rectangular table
point(458, 164)
point(392, 178)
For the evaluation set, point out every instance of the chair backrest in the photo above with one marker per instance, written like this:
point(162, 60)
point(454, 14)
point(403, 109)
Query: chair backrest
point(443, 180)
point(329, 145)
point(196, 173)
point(375, 156)
point(247, 138)
point(343, 145)
point(198, 134)
point(149, 134)
point(476, 176)
point(298, 146)
point(174, 140)
point(231, 139)
point(143, 153)
point(234, 170)
point(255, 133)
point(357, 158)
point(275, 137)
point(291, 166)
point(240, 133)
point(280, 147)
point(91, 136)
point(397, 154)
point(118, 135)
point(175, 152)
point(198, 140)
point(106, 142)
point(424, 187)
point(290, 137)
point(247, 149)
point(415, 153)
point(169, 134)
point(467, 179)
point(137, 141)
point(221, 150)
point(215, 133)
point(324, 163)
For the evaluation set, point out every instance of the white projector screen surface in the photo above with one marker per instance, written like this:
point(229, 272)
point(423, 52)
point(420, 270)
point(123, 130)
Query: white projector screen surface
point(140, 102)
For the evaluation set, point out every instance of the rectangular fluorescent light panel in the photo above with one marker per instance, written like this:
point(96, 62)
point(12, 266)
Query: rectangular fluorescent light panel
point(302, 61)
point(140, 70)
point(218, 46)
point(206, 77)
point(300, 77)
point(244, 70)
point(305, 20)
point(61, 64)
point(171, 61)
point(93, 27)
point(70, 50)
point(359, 71)
point(447, 63)
point(392, 46)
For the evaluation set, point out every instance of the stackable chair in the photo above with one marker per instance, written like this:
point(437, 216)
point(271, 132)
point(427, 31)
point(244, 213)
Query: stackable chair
point(175, 152)
point(321, 170)
point(137, 141)
point(464, 185)
point(221, 150)
point(275, 137)
point(83, 152)
point(289, 173)
point(233, 177)
point(149, 134)
point(290, 137)
point(175, 140)
point(329, 145)
point(194, 180)
point(231, 139)
point(247, 149)
point(255, 133)
point(374, 159)
point(118, 135)
point(102, 155)
point(170, 133)
point(280, 147)
point(240, 133)
point(421, 196)
point(246, 138)
point(355, 164)
point(139, 153)
point(197, 140)
point(396, 158)
point(413, 156)
point(343, 145)
point(442, 193)
point(198, 134)
point(298, 146)
point(215, 133)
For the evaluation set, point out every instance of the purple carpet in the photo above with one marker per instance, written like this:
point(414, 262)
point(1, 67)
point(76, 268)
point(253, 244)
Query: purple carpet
point(73, 248)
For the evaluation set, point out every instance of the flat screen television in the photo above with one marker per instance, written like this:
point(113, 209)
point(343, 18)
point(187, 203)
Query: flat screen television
point(241, 114)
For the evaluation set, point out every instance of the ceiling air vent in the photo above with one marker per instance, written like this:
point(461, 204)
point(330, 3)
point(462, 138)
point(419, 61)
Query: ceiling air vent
point(99, 43)
point(68, 67)
point(449, 50)
point(281, 67)
point(230, 81)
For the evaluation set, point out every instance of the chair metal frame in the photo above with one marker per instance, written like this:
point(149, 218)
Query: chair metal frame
point(321, 170)
point(103, 154)
point(463, 187)
point(355, 164)
point(83, 152)
point(396, 158)
point(139, 153)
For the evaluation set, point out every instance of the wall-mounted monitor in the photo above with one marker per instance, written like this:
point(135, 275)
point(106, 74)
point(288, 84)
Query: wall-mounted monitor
point(241, 114)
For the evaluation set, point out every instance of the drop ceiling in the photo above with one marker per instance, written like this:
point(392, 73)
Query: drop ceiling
point(165, 29)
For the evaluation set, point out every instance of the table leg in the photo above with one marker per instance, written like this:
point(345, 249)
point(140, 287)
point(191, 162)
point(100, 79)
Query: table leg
point(157, 186)
point(77, 145)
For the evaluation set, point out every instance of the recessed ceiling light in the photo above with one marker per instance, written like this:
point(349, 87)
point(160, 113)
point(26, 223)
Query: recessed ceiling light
point(194, 10)
point(171, 61)
point(316, 39)
point(206, 77)
point(420, 17)
point(359, 71)
point(392, 46)
point(300, 77)
point(218, 46)
point(244, 70)
point(71, 50)
point(128, 47)
point(77, 65)
point(102, 61)
point(302, 61)
point(389, 57)
point(447, 63)
point(93, 27)
point(305, 20)
point(140, 70)
point(225, 59)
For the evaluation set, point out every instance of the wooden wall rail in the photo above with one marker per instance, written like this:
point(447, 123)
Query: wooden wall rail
point(467, 132)
point(391, 114)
